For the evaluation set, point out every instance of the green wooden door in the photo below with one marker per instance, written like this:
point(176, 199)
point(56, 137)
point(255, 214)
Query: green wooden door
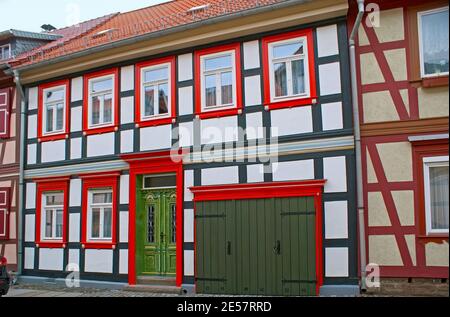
point(156, 233)
point(256, 247)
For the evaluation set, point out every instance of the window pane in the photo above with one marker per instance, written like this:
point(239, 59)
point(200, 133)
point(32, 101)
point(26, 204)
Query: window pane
point(95, 229)
point(285, 50)
point(280, 79)
point(107, 223)
point(107, 108)
point(102, 198)
point(151, 224)
point(59, 223)
point(59, 116)
point(102, 85)
point(156, 74)
point(95, 110)
point(49, 119)
point(173, 234)
point(298, 77)
point(55, 95)
point(163, 98)
point(218, 62)
point(227, 88)
point(435, 42)
point(159, 181)
point(48, 223)
point(210, 84)
point(55, 199)
point(149, 95)
point(439, 197)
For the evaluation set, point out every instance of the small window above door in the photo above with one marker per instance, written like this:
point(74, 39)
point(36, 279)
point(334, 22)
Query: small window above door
point(159, 181)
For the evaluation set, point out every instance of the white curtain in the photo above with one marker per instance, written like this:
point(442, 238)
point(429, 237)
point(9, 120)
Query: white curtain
point(439, 197)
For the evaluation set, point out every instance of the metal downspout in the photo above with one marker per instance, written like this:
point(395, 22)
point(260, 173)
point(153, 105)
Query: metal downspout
point(359, 179)
point(21, 209)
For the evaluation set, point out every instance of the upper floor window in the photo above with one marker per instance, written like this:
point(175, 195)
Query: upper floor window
point(5, 112)
point(434, 42)
point(218, 80)
point(155, 86)
point(53, 110)
point(289, 69)
point(435, 172)
point(52, 216)
point(101, 102)
point(5, 51)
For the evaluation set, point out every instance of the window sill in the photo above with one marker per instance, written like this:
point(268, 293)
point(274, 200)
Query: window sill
point(155, 122)
point(219, 113)
point(100, 130)
point(99, 245)
point(51, 245)
point(431, 82)
point(53, 137)
point(433, 237)
point(289, 103)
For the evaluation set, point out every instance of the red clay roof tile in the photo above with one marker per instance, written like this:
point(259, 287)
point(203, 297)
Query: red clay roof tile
point(121, 26)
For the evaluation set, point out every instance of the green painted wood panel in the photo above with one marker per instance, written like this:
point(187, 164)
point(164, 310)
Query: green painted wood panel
point(256, 246)
point(156, 232)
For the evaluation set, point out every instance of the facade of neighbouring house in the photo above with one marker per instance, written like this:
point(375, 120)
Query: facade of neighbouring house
point(12, 43)
point(108, 193)
point(403, 96)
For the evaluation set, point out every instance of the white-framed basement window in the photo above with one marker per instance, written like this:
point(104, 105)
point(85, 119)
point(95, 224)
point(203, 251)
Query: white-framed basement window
point(156, 94)
point(289, 69)
point(5, 52)
point(218, 80)
point(54, 110)
point(435, 178)
point(52, 215)
point(433, 42)
point(100, 209)
point(101, 101)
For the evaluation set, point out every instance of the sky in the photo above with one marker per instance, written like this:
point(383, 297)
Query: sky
point(29, 15)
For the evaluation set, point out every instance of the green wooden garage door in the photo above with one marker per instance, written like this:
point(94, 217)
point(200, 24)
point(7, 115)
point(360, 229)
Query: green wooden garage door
point(256, 246)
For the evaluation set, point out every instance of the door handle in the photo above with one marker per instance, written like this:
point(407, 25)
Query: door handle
point(162, 237)
point(277, 247)
point(229, 248)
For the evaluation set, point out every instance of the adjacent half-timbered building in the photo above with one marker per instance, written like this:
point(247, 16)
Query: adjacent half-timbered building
point(403, 83)
point(207, 144)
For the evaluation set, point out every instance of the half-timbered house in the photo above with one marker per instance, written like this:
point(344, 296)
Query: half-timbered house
point(204, 144)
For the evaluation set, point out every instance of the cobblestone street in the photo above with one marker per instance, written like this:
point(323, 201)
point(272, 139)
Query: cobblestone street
point(25, 290)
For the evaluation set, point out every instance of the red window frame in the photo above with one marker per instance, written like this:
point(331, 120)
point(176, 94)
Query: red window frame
point(5, 106)
point(422, 149)
point(289, 102)
point(198, 80)
point(99, 181)
point(5, 204)
point(115, 124)
point(45, 186)
point(138, 88)
point(56, 136)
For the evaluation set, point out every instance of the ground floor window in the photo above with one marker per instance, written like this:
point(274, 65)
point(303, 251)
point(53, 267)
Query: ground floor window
point(100, 214)
point(52, 222)
point(435, 171)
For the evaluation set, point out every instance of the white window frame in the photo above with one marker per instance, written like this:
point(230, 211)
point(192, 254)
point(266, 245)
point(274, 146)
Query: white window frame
point(102, 207)
point(421, 60)
point(435, 161)
point(5, 129)
point(288, 60)
point(53, 104)
point(204, 73)
point(91, 81)
point(2, 48)
point(156, 84)
point(52, 208)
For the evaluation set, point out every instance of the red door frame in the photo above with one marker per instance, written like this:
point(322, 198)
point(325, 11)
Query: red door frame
point(271, 190)
point(154, 163)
